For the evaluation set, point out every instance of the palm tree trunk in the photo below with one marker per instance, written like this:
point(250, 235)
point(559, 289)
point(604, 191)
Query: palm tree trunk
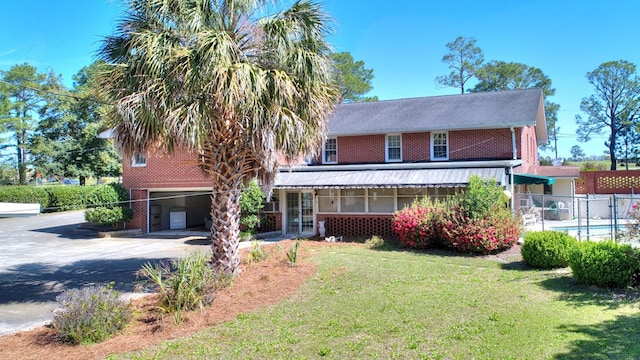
point(225, 227)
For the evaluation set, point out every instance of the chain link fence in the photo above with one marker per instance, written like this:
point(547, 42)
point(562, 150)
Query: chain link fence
point(583, 216)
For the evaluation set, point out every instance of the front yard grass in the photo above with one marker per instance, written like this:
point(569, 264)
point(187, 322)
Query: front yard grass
point(372, 304)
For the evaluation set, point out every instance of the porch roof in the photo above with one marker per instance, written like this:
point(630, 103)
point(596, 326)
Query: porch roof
point(532, 179)
point(405, 178)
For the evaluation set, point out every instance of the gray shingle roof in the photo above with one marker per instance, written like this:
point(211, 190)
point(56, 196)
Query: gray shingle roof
point(487, 110)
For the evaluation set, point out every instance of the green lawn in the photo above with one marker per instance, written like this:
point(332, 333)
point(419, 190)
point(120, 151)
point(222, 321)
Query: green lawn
point(369, 304)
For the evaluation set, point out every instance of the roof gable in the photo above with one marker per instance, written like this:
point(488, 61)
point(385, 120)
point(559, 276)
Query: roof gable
point(486, 110)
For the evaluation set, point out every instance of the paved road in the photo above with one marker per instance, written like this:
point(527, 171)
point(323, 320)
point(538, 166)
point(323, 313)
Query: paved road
point(42, 256)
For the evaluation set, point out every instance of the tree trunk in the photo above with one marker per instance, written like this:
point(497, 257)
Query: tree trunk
point(225, 228)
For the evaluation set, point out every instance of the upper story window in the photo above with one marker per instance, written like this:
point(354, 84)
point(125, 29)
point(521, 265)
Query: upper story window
point(439, 146)
point(393, 148)
point(330, 151)
point(139, 160)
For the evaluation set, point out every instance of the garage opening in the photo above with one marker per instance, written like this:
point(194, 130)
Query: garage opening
point(179, 210)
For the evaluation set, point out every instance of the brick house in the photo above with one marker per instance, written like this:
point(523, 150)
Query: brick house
point(378, 157)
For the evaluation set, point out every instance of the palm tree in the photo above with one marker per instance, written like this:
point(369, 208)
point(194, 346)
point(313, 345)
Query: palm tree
point(226, 79)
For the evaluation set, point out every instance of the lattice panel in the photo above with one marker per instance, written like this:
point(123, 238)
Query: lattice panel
point(617, 184)
point(359, 226)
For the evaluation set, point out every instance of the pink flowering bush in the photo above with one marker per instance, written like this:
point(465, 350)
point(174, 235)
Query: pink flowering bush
point(476, 221)
point(496, 231)
point(633, 226)
point(415, 226)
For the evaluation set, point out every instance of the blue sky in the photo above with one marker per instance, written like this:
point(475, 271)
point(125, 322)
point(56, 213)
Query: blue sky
point(403, 44)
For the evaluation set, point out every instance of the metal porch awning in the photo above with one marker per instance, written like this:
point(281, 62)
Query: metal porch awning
point(532, 179)
point(405, 178)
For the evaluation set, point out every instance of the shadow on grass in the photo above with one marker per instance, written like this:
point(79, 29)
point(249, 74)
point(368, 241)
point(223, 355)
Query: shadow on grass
point(576, 294)
point(612, 339)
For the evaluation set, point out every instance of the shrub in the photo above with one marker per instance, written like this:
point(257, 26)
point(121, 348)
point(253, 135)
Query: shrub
point(256, 253)
point(64, 198)
point(90, 315)
point(110, 195)
point(25, 195)
point(108, 217)
point(183, 284)
point(375, 242)
point(251, 201)
point(419, 226)
point(481, 197)
point(605, 264)
point(548, 249)
point(496, 231)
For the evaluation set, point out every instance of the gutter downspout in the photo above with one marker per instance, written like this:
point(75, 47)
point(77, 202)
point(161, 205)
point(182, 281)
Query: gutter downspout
point(511, 179)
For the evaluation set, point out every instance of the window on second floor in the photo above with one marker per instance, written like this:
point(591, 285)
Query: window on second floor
point(439, 146)
point(139, 160)
point(330, 151)
point(393, 148)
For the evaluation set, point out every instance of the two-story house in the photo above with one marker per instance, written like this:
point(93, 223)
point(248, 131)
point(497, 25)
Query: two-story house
point(378, 157)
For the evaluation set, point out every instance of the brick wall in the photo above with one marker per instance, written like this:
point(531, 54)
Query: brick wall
point(357, 225)
point(481, 144)
point(463, 145)
point(273, 223)
point(361, 149)
point(178, 170)
point(139, 205)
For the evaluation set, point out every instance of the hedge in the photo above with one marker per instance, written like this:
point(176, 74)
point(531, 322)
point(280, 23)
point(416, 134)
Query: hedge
point(61, 198)
point(605, 264)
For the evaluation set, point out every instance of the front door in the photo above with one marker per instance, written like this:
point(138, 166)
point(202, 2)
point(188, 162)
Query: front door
point(300, 213)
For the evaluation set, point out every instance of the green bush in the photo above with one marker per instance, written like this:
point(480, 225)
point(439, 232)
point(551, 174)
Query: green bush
point(184, 284)
point(64, 198)
point(256, 253)
point(251, 201)
point(108, 217)
point(24, 195)
point(605, 264)
point(375, 242)
point(110, 195)
point(90, 315)
point(548, 249)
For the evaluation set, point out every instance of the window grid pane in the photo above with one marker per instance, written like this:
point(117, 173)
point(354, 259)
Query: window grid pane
point(393, 147)
point(440, 145)
point(330, 150)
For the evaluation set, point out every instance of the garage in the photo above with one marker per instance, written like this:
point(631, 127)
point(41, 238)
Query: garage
point(175, 210)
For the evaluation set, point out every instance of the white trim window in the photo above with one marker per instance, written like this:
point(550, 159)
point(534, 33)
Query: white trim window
point(330, 151)
point(139, 160)
point(393, 148)
point(440, 145)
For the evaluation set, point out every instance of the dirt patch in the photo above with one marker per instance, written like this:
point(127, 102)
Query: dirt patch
point(258, 285)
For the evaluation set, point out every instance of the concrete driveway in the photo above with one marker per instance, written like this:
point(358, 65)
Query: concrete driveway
point(42, 256)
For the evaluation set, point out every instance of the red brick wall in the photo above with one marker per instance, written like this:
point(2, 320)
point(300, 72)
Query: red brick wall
point(361, 149)
point(139, 205)
point(358, 225)
point(178, 170)
point(481, 144)
point(463, 145)
point(274, 222)
point(529, 148)
point(416, 146)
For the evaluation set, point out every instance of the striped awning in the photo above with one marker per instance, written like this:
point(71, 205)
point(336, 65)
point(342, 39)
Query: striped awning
point(405, 178)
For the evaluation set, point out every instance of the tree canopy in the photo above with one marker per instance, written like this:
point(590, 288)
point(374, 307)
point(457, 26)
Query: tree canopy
point(614, 106)
point(464, 59)
point(354, 80)
point(227, 80)
point(66, 141)
point(22, 99)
